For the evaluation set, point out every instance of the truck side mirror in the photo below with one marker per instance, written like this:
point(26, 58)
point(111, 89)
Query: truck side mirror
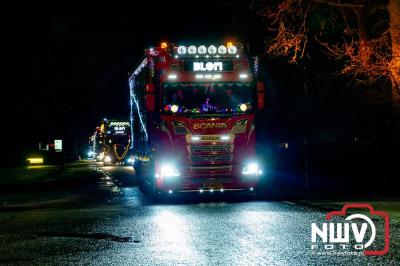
point(260, 96)
point(149, 98)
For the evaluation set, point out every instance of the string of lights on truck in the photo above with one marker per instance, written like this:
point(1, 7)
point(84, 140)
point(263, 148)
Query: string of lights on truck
point(133, 99)
point(123, 154)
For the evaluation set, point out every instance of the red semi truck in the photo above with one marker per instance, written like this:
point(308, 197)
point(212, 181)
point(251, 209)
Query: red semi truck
point(193, 119)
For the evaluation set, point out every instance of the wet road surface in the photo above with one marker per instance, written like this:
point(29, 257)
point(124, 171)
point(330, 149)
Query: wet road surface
point(132, 229)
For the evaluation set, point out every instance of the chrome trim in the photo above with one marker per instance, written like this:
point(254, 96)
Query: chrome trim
point(221, 167)
point(211, 158)
point(213, 148)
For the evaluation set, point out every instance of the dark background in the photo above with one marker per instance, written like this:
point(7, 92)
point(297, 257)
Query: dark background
point(69, 67)
point(70, 61)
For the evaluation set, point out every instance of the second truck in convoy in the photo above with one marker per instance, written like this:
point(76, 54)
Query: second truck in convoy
point(111, 142)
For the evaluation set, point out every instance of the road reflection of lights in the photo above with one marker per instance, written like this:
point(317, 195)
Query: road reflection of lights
point(129, 168)
point(257, 226)
point(173, 238)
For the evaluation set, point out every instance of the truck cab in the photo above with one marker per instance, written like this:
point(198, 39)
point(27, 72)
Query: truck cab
point(193, 114)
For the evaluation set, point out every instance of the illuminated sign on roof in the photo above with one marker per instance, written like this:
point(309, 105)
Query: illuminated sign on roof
point(210, 66)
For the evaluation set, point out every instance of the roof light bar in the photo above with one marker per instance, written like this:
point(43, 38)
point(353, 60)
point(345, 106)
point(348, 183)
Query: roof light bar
point(210, 50)
point(202, 49)
point(222, 49)
point(232, 49)
point(192, 49)
point(181, 50)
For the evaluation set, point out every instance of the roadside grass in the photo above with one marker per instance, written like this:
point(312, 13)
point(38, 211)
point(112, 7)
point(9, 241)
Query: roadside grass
point(392, 207)
point(46, 174)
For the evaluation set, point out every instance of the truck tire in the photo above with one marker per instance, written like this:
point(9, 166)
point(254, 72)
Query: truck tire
point(141, 185)
point(155, 193)
point(145, 183)
point(139, 176)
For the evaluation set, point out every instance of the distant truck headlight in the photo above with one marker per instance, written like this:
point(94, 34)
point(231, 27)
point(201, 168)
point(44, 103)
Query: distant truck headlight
point(169, 170)
point(107, 159)
point(251, 169)
point(131, 160)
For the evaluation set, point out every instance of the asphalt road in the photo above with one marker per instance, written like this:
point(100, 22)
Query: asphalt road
point(130, 229)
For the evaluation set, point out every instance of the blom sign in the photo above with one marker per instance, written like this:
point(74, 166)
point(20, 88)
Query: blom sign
point(209, 66)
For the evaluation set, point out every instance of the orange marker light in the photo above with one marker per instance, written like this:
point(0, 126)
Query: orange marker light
point(164, 45)
point(229, 44)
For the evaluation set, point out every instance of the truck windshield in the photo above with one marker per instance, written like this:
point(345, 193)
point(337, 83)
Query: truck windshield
point(185, 98)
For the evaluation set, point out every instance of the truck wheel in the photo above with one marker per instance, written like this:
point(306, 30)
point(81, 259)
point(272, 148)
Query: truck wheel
point(141, 185)
point(154, 192)
point(139, 176)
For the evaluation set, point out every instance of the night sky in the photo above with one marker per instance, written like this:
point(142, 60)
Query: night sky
point(70, 61)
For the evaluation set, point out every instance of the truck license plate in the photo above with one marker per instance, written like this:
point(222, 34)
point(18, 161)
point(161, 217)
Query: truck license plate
point(213, 185)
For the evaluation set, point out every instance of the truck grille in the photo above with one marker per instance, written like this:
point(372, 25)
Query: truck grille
point(211, 171)
point(217, 148)
point(217, 180)
point(210, 150)
point(223, 158)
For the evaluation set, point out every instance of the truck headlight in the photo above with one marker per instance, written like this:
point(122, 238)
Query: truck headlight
point(251, 169)
point(131, 160)
point(107, 159)
point(225, 137)
point(169, 170)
